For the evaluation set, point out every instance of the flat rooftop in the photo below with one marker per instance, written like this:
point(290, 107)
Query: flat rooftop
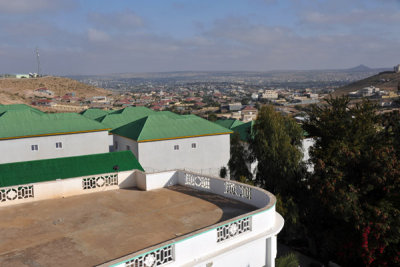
point(90, 229)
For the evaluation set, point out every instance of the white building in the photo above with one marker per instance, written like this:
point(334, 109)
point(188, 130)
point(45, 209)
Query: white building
point(29, 134)
point(176, 218)
point(235, 106)
point(270, 94)
point(165, 141)
point(249, 114)
point(368, 91)
point(254, 96)
point(397, 68)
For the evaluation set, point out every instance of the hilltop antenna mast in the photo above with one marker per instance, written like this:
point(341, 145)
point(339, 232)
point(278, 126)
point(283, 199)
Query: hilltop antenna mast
point(38, 61)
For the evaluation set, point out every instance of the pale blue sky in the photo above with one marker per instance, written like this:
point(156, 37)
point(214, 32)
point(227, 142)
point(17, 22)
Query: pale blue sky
point(99, 36)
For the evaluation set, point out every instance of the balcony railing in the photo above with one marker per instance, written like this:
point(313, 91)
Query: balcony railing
point(196, 247)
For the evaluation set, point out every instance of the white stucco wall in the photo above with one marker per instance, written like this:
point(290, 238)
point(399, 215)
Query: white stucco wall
point(211, 153)
point(121, 143)
point(239, 255)
point(151, 181)
point(70, 187)
point(15, 150)
point(306, 145)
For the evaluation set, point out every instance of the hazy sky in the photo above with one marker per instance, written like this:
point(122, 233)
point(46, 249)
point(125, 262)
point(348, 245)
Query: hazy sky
point(114, 36)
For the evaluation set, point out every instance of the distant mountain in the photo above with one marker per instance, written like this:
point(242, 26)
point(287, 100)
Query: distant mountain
point(360, 68)
point(20, 90)
point(386, 80)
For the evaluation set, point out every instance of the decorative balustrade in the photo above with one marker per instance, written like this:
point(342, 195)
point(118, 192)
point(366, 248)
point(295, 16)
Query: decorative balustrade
point(17, 192)
point(100, 181)
point(154, 258)
point(237, 190)
point(233, 229)
point(218, 237)
point(197, 181)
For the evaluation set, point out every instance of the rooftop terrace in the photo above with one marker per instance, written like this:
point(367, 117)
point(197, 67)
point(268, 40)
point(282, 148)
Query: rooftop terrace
point(87, 230)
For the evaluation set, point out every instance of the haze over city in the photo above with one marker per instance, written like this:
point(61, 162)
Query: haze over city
point(102, 37)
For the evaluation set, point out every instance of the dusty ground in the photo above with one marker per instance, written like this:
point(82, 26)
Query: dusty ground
point(91, 229)
point(16, 91)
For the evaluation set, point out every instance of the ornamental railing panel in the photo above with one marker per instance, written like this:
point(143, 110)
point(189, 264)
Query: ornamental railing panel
point(17, 192)
point(233, 229)
point(157, 257)
point(197, 181)
point(99, 181)
point(237, 190)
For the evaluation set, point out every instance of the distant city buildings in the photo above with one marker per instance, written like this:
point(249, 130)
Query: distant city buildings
point(235, 106)
point(369, 91)
point(249, 114)
point(270, 94)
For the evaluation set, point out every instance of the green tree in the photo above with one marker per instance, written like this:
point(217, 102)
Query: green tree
point(212, 117)
point(238, 163)
point(354, 191)
point(275, 146)
point(289, 260)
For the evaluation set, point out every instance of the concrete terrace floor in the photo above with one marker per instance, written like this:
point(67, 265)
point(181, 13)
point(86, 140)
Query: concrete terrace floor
point(90, 229)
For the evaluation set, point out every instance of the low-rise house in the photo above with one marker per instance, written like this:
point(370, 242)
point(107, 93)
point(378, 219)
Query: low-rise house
point(235, 106)
point(270, 94)
point(29, 134)
point(44, 92)
point(43, 102)
point(188, 142)
point(249, 113)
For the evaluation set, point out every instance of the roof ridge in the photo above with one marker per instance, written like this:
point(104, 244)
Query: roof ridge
point(163, 126)
point(145, 119)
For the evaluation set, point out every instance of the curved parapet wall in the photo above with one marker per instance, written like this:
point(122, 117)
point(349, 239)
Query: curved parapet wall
point(228, 243)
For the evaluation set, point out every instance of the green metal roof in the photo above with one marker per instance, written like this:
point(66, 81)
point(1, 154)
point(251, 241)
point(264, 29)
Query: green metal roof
point(229, 123)
point(18, 107)
point(164, 126)
point(28, 172)
point(124, 116)
point(94, 113)
point(133, 110)
point(17, 123)
point(244, 130)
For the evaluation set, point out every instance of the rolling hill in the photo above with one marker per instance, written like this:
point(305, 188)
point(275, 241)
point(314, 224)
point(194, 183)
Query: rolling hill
point(387, 80)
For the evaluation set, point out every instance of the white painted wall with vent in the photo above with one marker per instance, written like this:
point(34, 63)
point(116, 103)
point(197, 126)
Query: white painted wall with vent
point(16, 150)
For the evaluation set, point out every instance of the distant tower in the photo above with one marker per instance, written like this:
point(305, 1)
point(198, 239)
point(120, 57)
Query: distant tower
point(397, 68)
point(38, 61)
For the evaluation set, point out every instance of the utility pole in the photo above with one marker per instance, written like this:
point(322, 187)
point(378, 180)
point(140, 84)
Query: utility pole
point(38, 61)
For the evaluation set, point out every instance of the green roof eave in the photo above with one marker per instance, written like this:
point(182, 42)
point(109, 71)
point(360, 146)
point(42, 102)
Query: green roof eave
point(29, 172)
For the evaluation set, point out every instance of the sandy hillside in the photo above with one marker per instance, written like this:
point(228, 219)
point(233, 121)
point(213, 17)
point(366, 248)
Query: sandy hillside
point(20, 90)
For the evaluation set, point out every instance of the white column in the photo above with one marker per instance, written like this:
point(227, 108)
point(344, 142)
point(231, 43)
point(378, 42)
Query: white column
point(271, 251)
